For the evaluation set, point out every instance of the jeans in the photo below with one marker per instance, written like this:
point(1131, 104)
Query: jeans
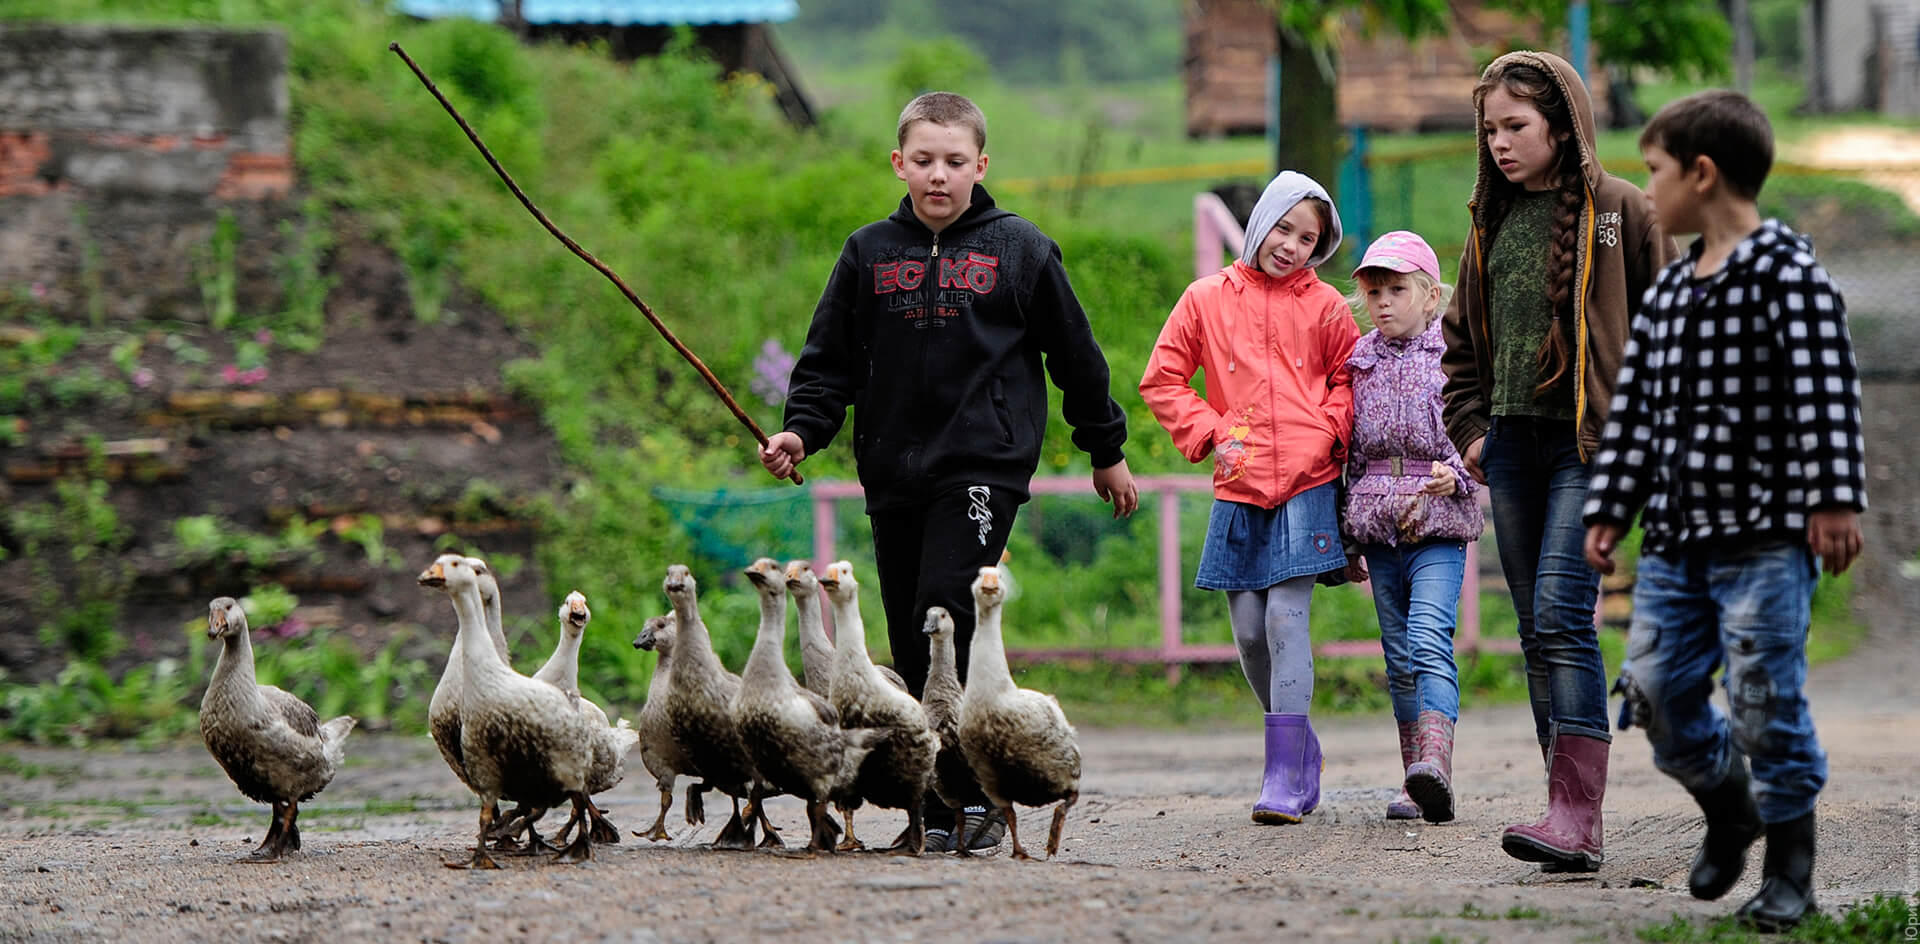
point(1750, 608)
point(1416, 592)
point(1538, 484)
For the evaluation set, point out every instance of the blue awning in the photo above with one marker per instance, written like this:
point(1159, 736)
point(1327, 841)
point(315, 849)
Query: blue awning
point(613, 12)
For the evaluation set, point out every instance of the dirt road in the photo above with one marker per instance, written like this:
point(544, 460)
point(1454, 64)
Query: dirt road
point(124, 845)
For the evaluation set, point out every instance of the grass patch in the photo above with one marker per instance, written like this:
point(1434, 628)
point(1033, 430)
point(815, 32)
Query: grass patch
point(1881, 919)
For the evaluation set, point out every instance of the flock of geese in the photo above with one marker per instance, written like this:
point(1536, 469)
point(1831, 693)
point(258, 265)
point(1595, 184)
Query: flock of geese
point(846, 734)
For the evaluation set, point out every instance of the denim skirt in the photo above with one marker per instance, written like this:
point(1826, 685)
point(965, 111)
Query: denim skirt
point(1253, 548)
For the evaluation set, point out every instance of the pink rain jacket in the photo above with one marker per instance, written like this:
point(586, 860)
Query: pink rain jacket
point(1278, 411)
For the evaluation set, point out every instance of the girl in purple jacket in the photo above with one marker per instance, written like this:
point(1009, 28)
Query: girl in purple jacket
point(1411, 509)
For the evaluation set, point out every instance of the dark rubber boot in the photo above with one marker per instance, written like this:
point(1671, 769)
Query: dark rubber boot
point(1786, 886)
point(1430, 779)
point(1733, 823)
point(1569, 838)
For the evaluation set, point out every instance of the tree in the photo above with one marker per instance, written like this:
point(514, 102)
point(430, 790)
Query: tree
point(1310, 32)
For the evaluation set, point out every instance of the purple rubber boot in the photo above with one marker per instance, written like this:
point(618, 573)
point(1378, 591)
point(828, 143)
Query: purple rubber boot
point(1291, 789)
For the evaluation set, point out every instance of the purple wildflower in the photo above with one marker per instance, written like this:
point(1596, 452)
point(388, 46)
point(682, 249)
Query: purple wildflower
point(770, 372)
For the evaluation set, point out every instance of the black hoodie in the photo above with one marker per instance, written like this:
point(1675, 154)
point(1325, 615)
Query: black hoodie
point(938, 343)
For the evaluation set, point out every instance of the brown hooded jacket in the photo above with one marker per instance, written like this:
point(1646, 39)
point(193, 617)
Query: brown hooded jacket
point(1619, 250)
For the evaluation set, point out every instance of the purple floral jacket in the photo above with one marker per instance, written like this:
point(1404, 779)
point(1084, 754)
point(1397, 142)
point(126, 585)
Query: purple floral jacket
point(1397, 436)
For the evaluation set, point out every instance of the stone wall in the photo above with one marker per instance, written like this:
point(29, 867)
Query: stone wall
point(120, 148)
point(153, 111)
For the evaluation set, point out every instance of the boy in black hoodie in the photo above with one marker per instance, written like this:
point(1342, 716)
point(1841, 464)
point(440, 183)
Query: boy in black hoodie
point(939, 325)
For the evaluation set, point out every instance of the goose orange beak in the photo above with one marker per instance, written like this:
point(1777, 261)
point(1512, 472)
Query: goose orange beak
point(435, 576)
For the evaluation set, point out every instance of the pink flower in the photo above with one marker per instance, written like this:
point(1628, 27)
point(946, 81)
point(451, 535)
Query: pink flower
point(264, 336)
point(250, 377)
point(230, 374)
point(39, 291)
point(143, 378)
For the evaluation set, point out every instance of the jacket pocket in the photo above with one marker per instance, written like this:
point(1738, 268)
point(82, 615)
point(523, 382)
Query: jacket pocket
point(1003, 413)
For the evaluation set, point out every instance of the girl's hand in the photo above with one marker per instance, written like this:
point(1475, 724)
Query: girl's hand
point(1357, 569)
point(1470, 457)
point(1443, 482)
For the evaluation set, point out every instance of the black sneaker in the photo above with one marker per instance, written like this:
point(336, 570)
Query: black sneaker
point(987, 836)
point(939, 840)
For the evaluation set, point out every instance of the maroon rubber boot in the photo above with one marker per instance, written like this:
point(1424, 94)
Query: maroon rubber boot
point(1402, 806)
point(1569, 837)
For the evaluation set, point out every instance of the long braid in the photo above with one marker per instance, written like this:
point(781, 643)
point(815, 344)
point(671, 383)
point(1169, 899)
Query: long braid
point(1554, 354)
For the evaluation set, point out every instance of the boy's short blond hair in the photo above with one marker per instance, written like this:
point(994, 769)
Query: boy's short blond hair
point(945, 108)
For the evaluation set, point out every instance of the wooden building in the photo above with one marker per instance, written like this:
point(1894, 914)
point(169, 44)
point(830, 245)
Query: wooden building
point(1385, 82)
point(736, 33)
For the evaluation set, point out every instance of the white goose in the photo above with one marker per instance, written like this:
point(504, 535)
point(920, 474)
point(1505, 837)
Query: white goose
point(270, 743)
point(443, 711)
point(816, 650)
point(896, 774)
point(518, 736)
point(953, 780)
point(611, 742)
point(659, 752)
point(1018, 741)
point(792, 734)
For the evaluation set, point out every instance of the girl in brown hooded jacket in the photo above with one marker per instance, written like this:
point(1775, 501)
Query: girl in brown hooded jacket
point(1561, 253)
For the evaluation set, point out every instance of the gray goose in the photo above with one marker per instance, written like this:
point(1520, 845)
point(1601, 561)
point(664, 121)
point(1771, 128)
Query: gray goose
point(270, 743)
point(896, 774)
point(518, 736)
point(1018, 741)
point(791, 733)
point(659, 752)
point(953, 780)
point(699, 713)
point(611, 742)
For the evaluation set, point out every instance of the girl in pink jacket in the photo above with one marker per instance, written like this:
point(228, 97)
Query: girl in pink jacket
point(1273, 340)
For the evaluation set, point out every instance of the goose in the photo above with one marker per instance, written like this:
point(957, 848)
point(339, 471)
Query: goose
point(659, 752)
point(611, 742)
point(1018, 741)
point(444, 720)
point(699, 713)
point(895, 775)
point(270, 743)
point(518, 736)
point(816, 650)
point(953, 780)
point(792, 733)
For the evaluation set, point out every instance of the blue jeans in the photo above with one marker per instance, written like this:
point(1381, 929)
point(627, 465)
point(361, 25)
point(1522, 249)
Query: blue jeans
point(1750, 608)
point(1538, 484)
point(1416, 592)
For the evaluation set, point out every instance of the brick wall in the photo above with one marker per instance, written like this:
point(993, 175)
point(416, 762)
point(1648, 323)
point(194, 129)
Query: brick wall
point(160, 111)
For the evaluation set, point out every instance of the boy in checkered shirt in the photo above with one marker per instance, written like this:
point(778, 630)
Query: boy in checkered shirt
point(1736, 424)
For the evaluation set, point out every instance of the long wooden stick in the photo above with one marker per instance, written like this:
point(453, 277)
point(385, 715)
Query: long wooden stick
point(692, 358)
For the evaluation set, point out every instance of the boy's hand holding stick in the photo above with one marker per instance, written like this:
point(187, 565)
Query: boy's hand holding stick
point(705, 374)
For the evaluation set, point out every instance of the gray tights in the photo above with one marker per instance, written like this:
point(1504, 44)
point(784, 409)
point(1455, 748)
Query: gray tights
point(1270, 629)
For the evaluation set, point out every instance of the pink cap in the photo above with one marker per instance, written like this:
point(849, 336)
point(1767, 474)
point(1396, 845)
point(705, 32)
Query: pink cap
point(1401, 251)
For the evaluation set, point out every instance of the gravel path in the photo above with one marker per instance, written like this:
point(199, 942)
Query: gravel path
point(131, 845)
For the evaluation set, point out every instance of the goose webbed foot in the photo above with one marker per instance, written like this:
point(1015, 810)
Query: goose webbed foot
point(913, 839)
point(281, 836)
point(769, 836)
point(581, 849)
point(658, 831)
point(822, 827)
point(508, 826)
point(488, 813)
point(479, 861)
point(536, 844)
point(734, 835)
point(1013, 834)
point(1059, 822)
point(603, 829)
point(849, 843)
point(696, 803)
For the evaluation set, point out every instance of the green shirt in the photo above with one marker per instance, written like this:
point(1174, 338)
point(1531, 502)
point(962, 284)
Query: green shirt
point(1520, 315)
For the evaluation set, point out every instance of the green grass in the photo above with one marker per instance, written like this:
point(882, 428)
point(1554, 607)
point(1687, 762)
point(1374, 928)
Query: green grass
point(1877, 921)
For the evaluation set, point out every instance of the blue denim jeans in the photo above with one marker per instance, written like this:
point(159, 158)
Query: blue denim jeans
point(1416, 592)
point(1538, 483)
point(1749, 608)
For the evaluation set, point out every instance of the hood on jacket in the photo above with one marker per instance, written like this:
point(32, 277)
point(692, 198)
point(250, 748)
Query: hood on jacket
point(1578, 101)
point(1285, 190)
point(980, 209)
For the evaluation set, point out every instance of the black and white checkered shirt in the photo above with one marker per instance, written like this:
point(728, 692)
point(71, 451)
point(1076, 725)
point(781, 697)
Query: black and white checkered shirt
point(1738, 405)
